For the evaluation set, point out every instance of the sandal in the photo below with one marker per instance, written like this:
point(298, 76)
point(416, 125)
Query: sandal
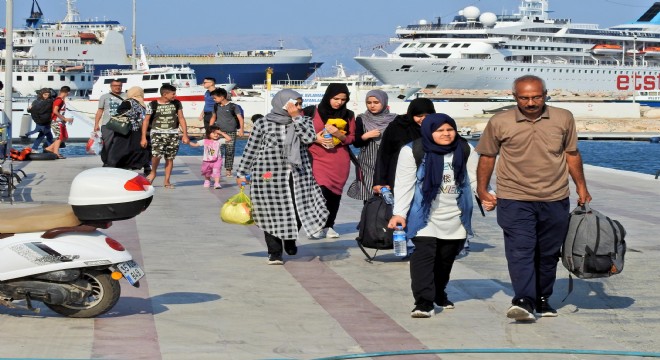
point(169, 186)
point(59, 156)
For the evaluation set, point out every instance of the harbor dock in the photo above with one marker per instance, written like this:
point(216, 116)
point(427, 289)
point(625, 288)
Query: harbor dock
point(209, 294)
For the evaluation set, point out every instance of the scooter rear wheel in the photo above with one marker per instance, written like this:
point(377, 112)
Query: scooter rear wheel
point(105, 294)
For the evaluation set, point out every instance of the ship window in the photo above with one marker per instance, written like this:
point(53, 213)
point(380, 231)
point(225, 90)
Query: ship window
point(432, 45)
point(72, 77)
point(145, 77)
point(51, 78)
point(178, 76)
point(443, 45)
point(465, 45)
point(420, 45)
point(19, 78)
point(154, 77)
point(151, 91)
point(168, 76)
point(404, 46)
point(62, 77)
point(456, 45)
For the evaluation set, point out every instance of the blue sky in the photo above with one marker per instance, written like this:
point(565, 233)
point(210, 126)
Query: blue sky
point(156, 19)
point(334, 30)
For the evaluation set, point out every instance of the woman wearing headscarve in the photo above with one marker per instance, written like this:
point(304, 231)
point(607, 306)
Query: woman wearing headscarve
point(402, 130)
point(124, 151)
point(369, 128)
point(330, 156)
point(434, 203)
point(285, 196)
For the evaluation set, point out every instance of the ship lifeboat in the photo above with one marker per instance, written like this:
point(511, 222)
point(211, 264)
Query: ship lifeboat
point(607, 49)
point(652, 51)
point(88, 38)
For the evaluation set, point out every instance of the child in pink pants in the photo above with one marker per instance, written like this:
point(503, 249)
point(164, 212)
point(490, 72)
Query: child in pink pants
point(212, 161)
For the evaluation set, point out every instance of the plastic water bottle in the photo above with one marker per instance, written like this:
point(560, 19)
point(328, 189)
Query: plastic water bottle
point(387, 195)
point(327, 135)
point(399, 237)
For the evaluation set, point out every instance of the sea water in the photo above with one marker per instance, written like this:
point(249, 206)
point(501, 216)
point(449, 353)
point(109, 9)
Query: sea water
point(637, 156)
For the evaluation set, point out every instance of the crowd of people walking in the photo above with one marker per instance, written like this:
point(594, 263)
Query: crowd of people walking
point(299, 159)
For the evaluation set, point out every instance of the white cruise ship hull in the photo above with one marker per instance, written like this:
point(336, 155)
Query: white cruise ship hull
point(487, 51)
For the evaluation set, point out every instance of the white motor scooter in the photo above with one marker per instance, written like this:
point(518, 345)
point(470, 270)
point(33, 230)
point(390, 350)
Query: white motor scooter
point(56, 255)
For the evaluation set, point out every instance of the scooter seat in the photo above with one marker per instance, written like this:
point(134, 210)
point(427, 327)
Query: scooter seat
point(37, 218)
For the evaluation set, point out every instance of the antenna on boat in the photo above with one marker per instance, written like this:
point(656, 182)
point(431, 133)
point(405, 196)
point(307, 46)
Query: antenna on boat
point(72, 13)
point(281, 43)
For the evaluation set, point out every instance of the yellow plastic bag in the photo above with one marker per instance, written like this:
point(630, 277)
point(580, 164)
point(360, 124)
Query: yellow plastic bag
point(237, 210)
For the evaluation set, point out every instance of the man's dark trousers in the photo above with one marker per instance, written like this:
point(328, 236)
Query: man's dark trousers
point(533, 234)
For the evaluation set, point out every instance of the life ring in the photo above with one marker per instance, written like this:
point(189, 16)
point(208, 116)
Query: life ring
point(41, 156)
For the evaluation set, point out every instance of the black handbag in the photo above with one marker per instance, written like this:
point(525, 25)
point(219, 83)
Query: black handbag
point(120, 124)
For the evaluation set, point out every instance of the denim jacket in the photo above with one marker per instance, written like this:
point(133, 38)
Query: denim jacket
point(417, 219)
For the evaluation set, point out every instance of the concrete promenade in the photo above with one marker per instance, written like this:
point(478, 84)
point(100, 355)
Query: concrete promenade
point(208, 293)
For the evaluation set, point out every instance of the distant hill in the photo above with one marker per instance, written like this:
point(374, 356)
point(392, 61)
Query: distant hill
point(327, 49)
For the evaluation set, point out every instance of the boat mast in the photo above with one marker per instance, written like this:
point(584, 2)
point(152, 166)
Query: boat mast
point(133, 41)
point(72, 13)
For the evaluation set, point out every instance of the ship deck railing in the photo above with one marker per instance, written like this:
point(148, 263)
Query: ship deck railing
point(218, 54)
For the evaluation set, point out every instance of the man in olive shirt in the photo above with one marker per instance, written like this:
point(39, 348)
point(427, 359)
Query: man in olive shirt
point(537, 148)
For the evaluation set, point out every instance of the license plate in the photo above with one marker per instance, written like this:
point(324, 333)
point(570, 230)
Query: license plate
point(131, 271)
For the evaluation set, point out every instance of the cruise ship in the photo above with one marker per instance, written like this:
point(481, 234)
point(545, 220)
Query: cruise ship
point(487, 51)
point(103, 43)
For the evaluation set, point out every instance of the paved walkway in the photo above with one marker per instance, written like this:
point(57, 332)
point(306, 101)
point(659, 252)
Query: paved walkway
point(209, 294)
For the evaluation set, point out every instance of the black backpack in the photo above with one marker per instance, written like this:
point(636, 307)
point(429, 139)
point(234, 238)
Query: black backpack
point(373, 230)
point(41, 111)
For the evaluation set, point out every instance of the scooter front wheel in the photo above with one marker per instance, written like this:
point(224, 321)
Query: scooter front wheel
point(105, 294)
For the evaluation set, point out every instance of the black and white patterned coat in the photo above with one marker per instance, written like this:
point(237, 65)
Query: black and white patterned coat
point(273, 209)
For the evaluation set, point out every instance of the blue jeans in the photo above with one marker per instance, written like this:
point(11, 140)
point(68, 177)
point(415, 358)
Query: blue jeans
point(44, 131)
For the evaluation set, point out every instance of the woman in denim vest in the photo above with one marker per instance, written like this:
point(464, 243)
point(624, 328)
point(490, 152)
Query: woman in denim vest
point(434, 203)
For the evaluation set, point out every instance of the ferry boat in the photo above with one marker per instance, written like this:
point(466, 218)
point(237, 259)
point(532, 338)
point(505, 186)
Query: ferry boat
point(32, 75)
point(314, 89)
point(149, 78)
point(487, 51)
point(103, 43)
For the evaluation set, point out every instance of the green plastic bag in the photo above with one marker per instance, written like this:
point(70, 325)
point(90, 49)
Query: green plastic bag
point(237, 210)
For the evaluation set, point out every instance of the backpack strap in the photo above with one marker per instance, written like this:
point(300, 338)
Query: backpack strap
point(153, 105)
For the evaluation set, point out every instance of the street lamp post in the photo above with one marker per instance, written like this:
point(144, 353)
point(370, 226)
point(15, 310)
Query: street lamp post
point(9, 63)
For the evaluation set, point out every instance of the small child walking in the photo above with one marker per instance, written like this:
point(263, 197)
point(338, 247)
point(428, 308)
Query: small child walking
point(212, 161)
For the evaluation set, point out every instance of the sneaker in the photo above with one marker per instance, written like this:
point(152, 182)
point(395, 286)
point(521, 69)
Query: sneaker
point(217, 186)
point(319, 235)
point(544, 309)
point(331, 233)
point(275, 259)
point(207, 183)
point(521, 310)
point(422, 311)
point(445, 304)
point(290, 247)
